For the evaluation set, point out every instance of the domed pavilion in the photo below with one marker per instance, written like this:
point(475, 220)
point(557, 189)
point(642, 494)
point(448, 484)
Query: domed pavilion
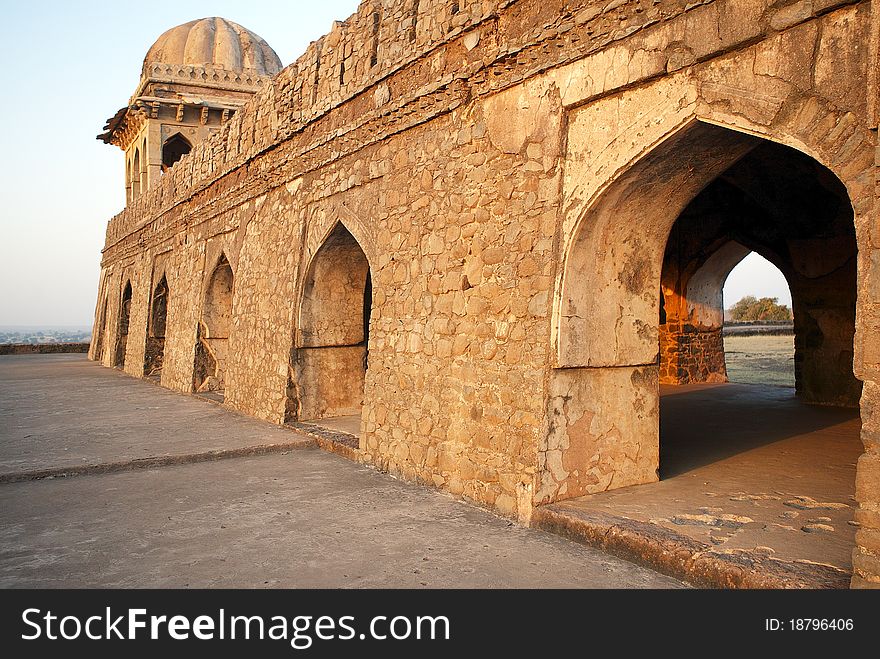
point(194, 77)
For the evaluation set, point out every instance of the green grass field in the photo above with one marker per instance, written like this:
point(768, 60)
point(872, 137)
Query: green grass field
point(760, 359)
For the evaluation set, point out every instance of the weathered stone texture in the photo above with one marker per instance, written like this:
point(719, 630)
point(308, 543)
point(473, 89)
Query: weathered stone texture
point(511, 173)
point(591, 445)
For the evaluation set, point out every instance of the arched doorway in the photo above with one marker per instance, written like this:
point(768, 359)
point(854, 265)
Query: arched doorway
point(330, 357)
point(122, 327)
point(213, 333)
point(154, 353)
point(736, 461)
point(795, 213)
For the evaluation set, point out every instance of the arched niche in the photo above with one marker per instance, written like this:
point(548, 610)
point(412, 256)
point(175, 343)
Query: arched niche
point(332, 334)
point(214, 328)
point(154, 352)
point(123, 326)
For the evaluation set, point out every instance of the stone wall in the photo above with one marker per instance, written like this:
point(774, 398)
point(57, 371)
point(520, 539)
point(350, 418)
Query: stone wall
point(511, 172)
point(691, 354)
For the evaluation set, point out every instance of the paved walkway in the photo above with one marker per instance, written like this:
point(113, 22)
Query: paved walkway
point(63, 412)
point(303, 518)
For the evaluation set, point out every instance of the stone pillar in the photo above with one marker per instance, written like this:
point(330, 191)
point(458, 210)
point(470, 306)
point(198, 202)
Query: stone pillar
point(866, 555)
point(153, 155)
point(137, 326)
point(823, 340)
point(822, 278)
point(692, 315)
point(604, 431)
point(99, 328)
point(128, 191)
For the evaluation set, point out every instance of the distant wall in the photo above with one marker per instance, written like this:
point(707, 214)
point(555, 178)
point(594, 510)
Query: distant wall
point(768, 328)
point(41, 348)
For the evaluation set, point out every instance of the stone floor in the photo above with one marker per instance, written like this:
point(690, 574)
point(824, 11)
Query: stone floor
point(350, 425)
point(304, 518)
point(749, 468)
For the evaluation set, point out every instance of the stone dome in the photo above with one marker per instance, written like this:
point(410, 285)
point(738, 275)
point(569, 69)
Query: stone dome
point(214, 42)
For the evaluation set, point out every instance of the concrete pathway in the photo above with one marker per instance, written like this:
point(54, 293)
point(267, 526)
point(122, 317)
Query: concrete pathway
point(304, 518)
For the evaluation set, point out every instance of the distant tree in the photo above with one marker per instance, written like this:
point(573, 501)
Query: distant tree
point(767, 308)
point(738, 310)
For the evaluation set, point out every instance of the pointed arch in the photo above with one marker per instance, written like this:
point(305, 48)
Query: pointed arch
point(154, 352)
point(753, 355)
point(339, 271)
point(340, 214)
point(215, 325)
point(623, 256)
point(124, 317)
point(330, 358)
point(173, 149)
point(217, 308)
point(609, 309)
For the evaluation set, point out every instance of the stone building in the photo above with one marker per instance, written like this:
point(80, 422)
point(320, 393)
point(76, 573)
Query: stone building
point(490, 228)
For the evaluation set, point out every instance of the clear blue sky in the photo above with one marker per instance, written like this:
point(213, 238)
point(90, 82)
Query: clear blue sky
point(68, 66)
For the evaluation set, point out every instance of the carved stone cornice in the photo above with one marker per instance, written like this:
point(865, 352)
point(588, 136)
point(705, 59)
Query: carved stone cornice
point(210, 77)
point(122, 129)
point(204, 87)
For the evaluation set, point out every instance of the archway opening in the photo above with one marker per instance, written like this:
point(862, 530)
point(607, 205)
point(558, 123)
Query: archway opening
point(213, 332)
point(729, 317)
point(122, 327)
point(174, 148)
point(330, 357)
point(758, 324)
point(154, 353)
point(733, 460)
point(794, 213)
point(136, 174)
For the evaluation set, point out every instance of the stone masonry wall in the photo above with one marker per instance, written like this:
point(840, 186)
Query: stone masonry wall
point(690, 354)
